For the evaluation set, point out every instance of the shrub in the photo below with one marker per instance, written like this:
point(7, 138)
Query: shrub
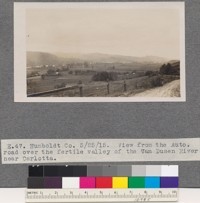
point(60, 85)
point(51, 72)
point(156, 81)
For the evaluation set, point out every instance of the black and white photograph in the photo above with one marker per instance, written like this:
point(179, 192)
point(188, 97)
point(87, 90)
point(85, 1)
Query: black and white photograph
point(100, 52)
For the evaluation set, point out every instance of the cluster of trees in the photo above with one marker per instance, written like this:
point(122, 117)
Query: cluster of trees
point(104, 76)
point(170, 69)
point(165, 69)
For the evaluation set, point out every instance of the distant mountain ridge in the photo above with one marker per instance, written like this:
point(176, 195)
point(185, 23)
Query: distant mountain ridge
point(109, 58)
point(42, 58)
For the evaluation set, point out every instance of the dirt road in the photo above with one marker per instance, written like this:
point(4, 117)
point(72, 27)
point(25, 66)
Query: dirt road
point(171, 89)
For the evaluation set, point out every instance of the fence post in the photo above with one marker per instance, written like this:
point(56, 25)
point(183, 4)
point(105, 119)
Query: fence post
point(108, 88)
point(136, 85)
point(81, 91)
point(124, 85)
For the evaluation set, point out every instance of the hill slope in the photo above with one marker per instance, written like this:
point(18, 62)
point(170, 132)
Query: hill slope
point(41, 58)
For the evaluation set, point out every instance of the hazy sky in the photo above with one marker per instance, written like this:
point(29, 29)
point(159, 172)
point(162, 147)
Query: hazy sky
point(133, 32)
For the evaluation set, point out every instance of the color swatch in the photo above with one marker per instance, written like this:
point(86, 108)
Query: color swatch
point(71, 182)
point(115, 176)
point(120, 182)
point(104, 182)
point(87, 182)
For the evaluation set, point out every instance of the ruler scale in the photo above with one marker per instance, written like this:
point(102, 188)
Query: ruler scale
point(97, 195)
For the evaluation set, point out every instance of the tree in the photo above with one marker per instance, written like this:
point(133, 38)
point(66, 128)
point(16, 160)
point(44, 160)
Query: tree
point(42, 76)
point(86, 65)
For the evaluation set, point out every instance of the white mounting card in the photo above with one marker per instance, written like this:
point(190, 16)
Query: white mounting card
point(50, 118)
point(99, 150)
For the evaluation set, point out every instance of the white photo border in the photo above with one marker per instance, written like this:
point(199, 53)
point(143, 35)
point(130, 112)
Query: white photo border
point(20, 84)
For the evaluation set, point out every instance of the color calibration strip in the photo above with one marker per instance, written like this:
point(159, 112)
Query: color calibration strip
point(104, 177)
